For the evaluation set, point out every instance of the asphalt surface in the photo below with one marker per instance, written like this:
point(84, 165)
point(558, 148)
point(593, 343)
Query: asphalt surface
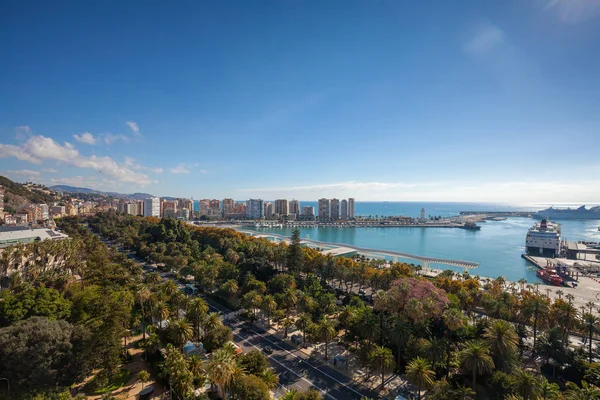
point(296, 369)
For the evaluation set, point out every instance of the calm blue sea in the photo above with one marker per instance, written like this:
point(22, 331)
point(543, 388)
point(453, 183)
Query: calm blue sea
point(497, 247)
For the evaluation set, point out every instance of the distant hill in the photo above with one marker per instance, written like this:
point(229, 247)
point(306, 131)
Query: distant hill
point(16, 195)
point(74, 189)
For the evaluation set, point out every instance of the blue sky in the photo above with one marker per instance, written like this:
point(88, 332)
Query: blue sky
point(378, 100)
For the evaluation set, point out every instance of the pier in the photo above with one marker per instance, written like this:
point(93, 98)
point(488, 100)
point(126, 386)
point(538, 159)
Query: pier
point(339, 249)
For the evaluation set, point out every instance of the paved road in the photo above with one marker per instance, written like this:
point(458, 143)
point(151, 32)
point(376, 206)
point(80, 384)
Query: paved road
point(295, 368)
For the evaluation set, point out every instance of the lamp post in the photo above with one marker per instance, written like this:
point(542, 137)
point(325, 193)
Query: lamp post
point(7, 383)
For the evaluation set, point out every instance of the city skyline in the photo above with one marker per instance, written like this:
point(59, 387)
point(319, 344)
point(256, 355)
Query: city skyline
point(482, 101)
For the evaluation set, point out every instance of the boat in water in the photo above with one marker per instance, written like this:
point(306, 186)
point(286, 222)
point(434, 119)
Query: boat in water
point(550, 276)
point(569, 213)
point(471, 226)
point(543, 239)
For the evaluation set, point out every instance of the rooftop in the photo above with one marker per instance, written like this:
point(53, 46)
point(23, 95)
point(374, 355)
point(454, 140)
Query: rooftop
point(9, 237)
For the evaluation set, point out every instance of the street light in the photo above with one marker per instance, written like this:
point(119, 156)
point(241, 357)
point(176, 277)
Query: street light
point(7, 383)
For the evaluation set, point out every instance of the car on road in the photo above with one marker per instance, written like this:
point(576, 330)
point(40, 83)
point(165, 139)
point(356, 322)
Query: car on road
point(296, 339)
point(268, 350)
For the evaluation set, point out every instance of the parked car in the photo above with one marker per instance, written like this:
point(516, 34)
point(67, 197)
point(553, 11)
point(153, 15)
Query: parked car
point(296, 339)
point(268, 350)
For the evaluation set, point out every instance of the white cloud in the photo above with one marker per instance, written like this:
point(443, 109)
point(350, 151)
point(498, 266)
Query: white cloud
point(23, 132)
point(573, 11)
point(110, 138)
point(86, 138)
point(134, 127)
point(155, 170)
point(203, 171)
point(180, 169)
point(50, 170)
point(22, 173)
point(502, 192)
point(485, 38)
point(38, 148)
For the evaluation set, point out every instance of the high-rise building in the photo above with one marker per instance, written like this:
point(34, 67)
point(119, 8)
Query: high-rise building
point(282, 207)
point(228, 205)
point(323, 210)
point(295, 207)
point(214, 204)
point(334, 214)
point(169, 205)
point(203, 206)
point(308, 214)
point(269, 209)
point(183, 214)
point(131, 208)
point(1, 198)
point(422, 215)
point(351, 208)
point(152, 207)
point(188, 204)
point(344, 209)
point(255, 208)
point(45, 211)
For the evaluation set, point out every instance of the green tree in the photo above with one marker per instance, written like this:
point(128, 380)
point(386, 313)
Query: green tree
point(326, 332)
point(181, 332)
point(535, 308)
point(525, 384)
point(143, 376)
point(220, 369)
point(268, 306)
point(502, 339)
point(253, 362)
point(249, 387)
point(420, 374)
point(547, 390)
point(303, 323)
point(585, 392)
point(295, 253)
point(382, 360)
point(475, 358)
point(590, 323)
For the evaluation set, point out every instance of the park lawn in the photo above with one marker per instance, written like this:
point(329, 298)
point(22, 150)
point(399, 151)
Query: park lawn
point(117, 381)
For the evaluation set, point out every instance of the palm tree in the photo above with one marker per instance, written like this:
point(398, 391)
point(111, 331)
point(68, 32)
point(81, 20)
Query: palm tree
point(326, 331)
point(142, 296)
point(292, 394)
point(303, 323)
point(197, 368)
point(382, 359)
point(181, 332)
point(525, 384)
point(401, 336)
point(230, 288)
point(475, 358)
point(196, 313)
point(585, 392)
point(434, 351)
point(268, 306)
point(169, 287)
point(502, 339)
point(269, 377)
point(212, 321)
point(547, 390)
point(536, 307)
point(220, 369)
point(143, 376)
point(420, 374)
point(590, 322)
point(559, 293)
point(286, 323)
point(162, 312)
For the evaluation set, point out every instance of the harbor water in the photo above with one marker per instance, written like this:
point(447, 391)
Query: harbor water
point(497, 247)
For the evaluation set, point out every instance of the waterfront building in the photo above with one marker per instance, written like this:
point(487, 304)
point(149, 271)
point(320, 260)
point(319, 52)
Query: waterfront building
point(295, 207)
point(255, 208)
point(282, 207)
point(543, 239)
point(269, 209)
point(168, 205)
point(152, 207)
point(228, 205)
point(344, 209)
point(323, 210)
point(422, 215)
point(188, 204)
point(351, 208)
point(169, 213)
point(9, 236)
point(239, 208)
point(334, 213)
point(183, 214)
point(214, 204)
point(203, 206)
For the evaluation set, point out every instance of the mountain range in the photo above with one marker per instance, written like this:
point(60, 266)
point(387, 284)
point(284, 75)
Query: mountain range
point(74, 189)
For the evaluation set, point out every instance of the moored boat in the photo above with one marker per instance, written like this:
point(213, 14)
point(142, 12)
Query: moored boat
point(550, 276)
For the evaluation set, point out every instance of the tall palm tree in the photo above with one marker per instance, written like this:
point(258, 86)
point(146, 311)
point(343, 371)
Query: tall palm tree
point(169, 287)
point(590, 322)
point(502, 339)
point(401, 336)
point(420, 374)
point(268, 306)
point(475, 358)
point(303, 323)
point(162, 311)
point(220, 369)
point(197, 368)
point(434, 351)
point(196, 313)
point(212, 321)
point(142, 296)
point(536, 309)
point(286, 323)
point(585, 392)
point(525, 384)
point(382, 359)
point(270, 378)
point(326, 331)
point(181, 332)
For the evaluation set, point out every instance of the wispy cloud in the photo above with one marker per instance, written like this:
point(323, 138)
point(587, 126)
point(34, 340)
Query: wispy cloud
point(23, 132)
point(574, 11)
point(485, 38)
point(180, 169)
point(86, 138)
point(134, 127)
point(40, 148)
point(50, 170)
point(21, 173)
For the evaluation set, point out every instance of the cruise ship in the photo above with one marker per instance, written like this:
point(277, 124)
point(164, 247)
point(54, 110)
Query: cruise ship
point(543, 239)
point(569, 213)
